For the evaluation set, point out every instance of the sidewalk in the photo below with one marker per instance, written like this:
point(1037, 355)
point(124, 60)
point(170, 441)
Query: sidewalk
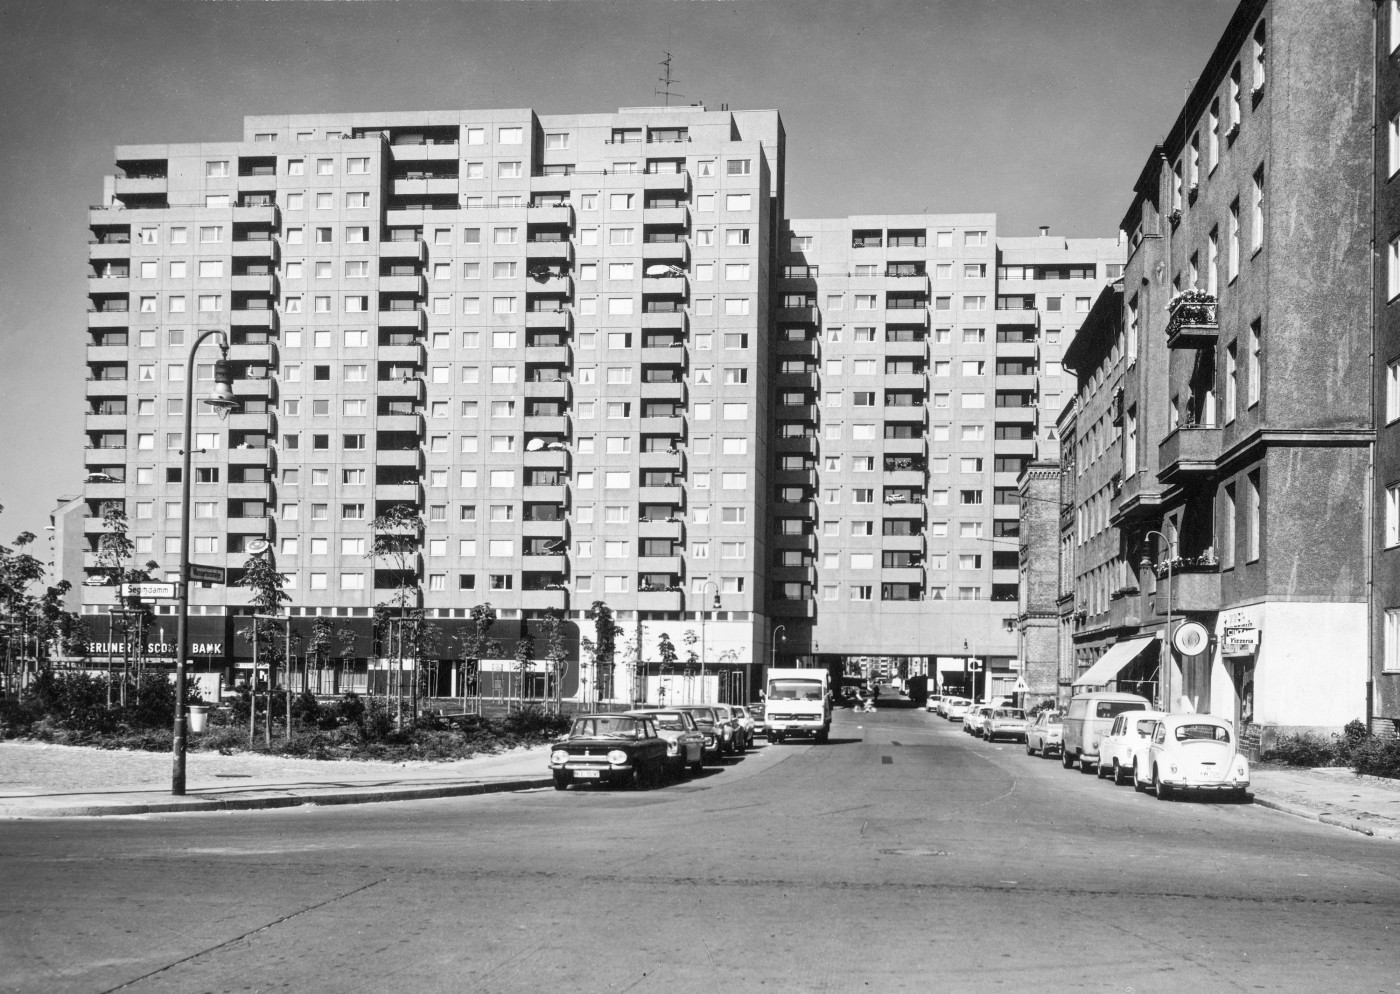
point(1333, 796)
point(49, 781)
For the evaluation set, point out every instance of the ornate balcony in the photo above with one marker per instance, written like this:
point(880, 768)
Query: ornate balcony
point(1191, 320)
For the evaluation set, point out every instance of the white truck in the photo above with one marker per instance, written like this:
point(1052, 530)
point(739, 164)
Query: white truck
point(797, 702)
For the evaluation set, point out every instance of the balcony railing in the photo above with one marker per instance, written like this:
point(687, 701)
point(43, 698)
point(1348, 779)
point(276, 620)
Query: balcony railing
point(1191, 320)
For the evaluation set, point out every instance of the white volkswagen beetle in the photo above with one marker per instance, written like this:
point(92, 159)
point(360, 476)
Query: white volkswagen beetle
point(1193, 752)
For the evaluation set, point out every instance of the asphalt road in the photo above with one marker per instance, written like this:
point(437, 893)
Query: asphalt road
point(903, 855)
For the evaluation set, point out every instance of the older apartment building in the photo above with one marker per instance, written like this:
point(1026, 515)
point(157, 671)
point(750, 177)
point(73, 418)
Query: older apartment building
point(1243, 439)
point(595, 358)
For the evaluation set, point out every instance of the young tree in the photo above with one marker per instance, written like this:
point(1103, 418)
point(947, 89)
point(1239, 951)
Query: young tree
point(605, 633)
point(667, 651)
point(263, 578)
point(524, 657)
point(397, 536)
point(425, 640)
point(553, 630)
point(18, 572)
point(318, 649)
point(476, 644)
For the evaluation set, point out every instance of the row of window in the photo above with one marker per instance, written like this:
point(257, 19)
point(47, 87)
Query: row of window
point(971, 238)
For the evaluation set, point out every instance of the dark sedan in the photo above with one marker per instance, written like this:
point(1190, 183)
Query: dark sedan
point(609, 748)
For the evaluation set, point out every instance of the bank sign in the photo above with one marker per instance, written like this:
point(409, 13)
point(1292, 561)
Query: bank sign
point(153, 648)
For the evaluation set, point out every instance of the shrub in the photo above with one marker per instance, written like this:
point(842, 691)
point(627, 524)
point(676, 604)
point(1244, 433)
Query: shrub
point(305, 708)
point(1377, 758)
point(534, 721)
point(1304, 749)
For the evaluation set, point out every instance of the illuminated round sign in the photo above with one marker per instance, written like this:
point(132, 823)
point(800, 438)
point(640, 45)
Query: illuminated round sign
point(1190, 638)
point(258, 546)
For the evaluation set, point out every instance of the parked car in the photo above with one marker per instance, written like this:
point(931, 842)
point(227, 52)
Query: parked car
point(747, 721)
point(975, 722)
point(739, 737)
point(1126, 744)
point(1046, 734)
point(1193, 752)
point(710, 727)
point(1005, 723)
point(685, 744)
point(932, 703)
point(1088, 717)
point(609, 748)
point(955, 708)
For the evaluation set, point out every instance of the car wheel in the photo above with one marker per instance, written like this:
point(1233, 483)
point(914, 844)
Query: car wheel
point(1163, 791)
point(698, 767)
point(561, 781)
point(1137, 783)
point(822, 736)
point(775, 738)
point(1118, 778)
point(1085, 765)
point(1066, 760)
point(1030, 749)
point(1099, 770)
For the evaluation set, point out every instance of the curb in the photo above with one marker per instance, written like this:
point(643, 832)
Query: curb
point(1326, 818)
point(199, 805)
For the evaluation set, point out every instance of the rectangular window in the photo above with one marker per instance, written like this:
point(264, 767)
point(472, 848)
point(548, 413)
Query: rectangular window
point(1256, 345)
point(1392, 391)
point(1254, 509)
point(1256, 220)
point(1391, 662)
point(1227, 527)
point(1231, 381)
point(1233, 258)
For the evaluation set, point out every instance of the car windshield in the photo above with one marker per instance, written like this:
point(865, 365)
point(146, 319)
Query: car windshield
point(1055, 718)
point(1112, 709)
point(1016, 713)
point(1202, 733)
point(1146, 727)
point(607, 726)
point(795, 690)
point(668, 720)
point(702, 714)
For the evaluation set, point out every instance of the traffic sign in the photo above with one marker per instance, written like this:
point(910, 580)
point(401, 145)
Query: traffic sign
point(1190, 638)
point(206, 574)
point(1021, 685)
point(149, 590)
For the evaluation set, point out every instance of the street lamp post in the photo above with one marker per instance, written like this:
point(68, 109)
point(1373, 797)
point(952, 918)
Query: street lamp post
point(1166, 666)
point(773, 652)
point(707, 586)
point(223, 401)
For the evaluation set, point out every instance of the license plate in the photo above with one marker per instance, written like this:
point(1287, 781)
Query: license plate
point(587, 774)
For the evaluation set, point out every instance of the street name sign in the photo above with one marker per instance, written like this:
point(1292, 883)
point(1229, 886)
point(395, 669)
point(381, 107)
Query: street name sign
point(148, 590)
point(206, 574)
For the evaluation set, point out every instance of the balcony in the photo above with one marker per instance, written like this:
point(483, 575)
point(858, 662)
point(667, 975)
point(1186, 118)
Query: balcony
point(106, 353)
point(666, 286)
point(437, 186)
point(109, 283)
point(674, 425)
point(416, 284)
point(104, 491)
point(905, 478)
point(423, 151)
point(675, 253)
point(558, 528)
point(669, 355)
point(548, 424)
point(665, 321)
point(262, 319)
point(263, 283)
point(663, 459)
point(412, 355)
point(1022, 383)
point(259, 353)
point(412, 458)
point(674, 530)
point(261, 526)
point(912, 349)
point(257, 249)
point(902, 543)
point(904, 413)
point(904, 574)
point(106, 422)
point(675, 217)
point(561, 251)
point(553, 215)
point(554, 320)
point(547, 458)
point(673, 495)
point(401, 389)
point(794, 478)
point(262, 215)
point(1188, 452)
point(249, 457)
point(810, 348)
point(674, 565)
point(905, 381)
point(411, 250)
point(263, 422)
point(413, 318)
point(398, 493)
point(1015, 415)
point(554, 493)
point(1018, 350)
point(110, 319)
point(247, 491)
point(797, 412)
point(659, 600)
point(794, 444)
point(1194, 591)
point(553, 355)
point(547, 390)
point(548, 562)
point(552, 284)
point(106, 388)
point(412, 423)
point(1014, 446)
point(1140, 499)
point(797, 315)
point(678, 182)
point(804, 541)
point(544, 600)
point(1192, 321)
point(109, 251)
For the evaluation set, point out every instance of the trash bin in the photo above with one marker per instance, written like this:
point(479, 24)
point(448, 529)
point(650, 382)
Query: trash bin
point(199, 717)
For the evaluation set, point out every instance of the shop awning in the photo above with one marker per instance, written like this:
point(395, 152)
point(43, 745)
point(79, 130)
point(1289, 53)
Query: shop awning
point(1112, 662)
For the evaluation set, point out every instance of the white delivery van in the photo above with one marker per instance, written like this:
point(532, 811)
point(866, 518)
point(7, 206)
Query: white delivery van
point(797, 701)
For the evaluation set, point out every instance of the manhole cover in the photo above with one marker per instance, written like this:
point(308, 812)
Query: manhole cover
point(915, 852)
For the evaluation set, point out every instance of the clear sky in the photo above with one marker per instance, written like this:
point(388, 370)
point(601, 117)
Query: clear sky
point(1041, 110)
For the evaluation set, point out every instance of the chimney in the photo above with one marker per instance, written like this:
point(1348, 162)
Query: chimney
point(1045, 231)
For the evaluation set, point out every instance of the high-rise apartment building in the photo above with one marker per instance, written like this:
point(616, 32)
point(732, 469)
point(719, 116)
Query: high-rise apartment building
point(596, 359)
point(917, 373)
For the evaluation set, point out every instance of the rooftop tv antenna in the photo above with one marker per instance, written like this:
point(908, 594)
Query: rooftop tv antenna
point(666, 80)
